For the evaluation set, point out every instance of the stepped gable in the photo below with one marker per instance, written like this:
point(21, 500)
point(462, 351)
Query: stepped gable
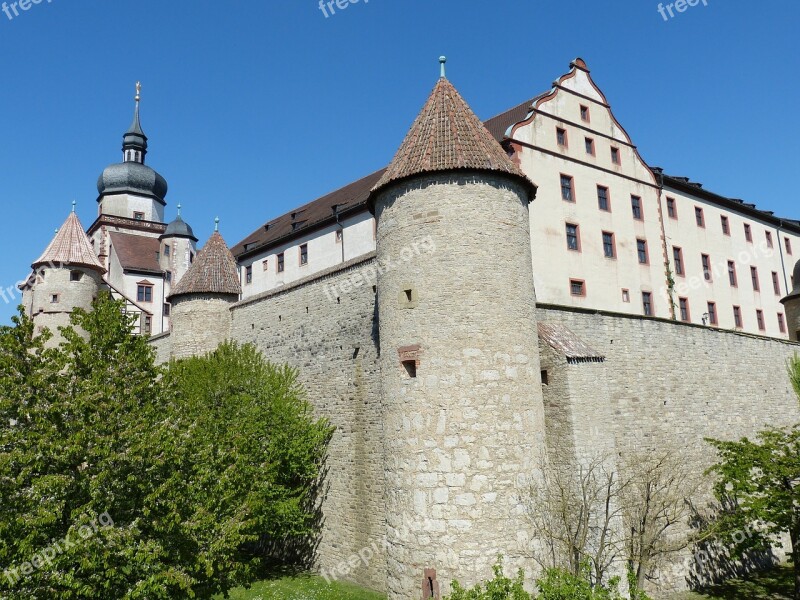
point(70, 247)
point(213, 271)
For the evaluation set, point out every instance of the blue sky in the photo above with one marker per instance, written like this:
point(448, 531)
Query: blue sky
point(253, 107)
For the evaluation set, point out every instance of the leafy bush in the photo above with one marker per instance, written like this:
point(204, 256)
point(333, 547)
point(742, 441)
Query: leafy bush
point(120, 479)
point(499, 588)
point(558, 584)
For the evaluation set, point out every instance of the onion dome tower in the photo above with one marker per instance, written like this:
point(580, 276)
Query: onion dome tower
point(201, 300)
point(178, 248)
point(460, 376)
point(792, 304)
point(66, 276)
point(131, 189)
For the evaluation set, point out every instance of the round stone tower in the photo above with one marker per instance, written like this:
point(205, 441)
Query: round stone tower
point(792, 304)
point(66, 276)
point(201, 300)
point(461, 383)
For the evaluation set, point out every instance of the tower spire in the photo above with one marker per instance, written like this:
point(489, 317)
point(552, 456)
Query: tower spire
point(134, 142)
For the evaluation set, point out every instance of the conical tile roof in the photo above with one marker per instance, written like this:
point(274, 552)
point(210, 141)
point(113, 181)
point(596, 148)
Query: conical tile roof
point(213, 271)
point(448, 136)
point(70, 247)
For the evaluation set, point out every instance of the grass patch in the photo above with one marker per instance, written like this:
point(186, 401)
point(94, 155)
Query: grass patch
point(776, 584)
point(304, 587)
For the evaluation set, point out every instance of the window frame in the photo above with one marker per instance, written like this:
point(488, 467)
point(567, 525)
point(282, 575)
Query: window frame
point(570, 180)
point(639, 251)
point(672, 209)
point(738, 323)
point(648, 307)
point(781, 323)
point(685, 311)
point(608, 197)
point(748, 233)
point(616, 156)
point(733, 277)
point(726, 225)
point(754, 279)
point(613, 244)
point(760, 320)
point(776, 283)
point(577, 227)
point(705, 263)
point(700, 217)
point(713, 318)
point(677, 261)
point(588, 145)
point(561, 134)
point(303, 255)
point(582, 283)
point(585, 113)
point(639, 205)
point(280, 262)
point(142, 290)
point(248, 274)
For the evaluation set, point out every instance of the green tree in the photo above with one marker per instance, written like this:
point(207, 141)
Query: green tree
point(758, 486)
point(119, 479)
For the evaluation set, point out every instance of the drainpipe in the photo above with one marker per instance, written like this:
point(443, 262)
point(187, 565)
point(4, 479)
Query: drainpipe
point(341, 227)
point(659, 176)
point(780, 242)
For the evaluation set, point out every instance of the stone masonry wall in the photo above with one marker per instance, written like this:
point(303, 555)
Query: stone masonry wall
point(325, 327)
point(670, 385)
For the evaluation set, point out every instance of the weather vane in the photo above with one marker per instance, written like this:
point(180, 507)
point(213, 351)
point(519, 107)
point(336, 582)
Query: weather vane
point(138, 90)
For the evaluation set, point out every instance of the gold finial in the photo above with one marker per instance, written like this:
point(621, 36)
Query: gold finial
point(138, 91)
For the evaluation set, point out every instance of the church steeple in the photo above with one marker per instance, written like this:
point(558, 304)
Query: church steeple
point(134, 142)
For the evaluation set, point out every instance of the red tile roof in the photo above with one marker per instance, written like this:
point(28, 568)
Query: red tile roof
point(214, 271)
point(351, 198)
point(70, 246)
point(136, 252)
point(448, 136)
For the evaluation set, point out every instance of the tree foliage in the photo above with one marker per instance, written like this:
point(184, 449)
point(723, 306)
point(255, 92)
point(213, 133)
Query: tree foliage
point(119, 479)
point(758, 487)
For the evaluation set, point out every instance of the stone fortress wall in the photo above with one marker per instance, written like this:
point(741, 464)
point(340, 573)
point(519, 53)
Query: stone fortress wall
point(659, 384)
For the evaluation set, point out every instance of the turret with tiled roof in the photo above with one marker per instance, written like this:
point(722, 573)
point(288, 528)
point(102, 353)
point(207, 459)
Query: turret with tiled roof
point(68, 275)
point(70, 247)
point(202, 299)
point(458, 336)
point(448, 136)
point(214, 271)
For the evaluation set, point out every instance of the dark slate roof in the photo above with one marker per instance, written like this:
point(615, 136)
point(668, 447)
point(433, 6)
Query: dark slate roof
point(137, 253)
point(214, 271)
point(448, 136)
point(178, 228)
point(685, 184)
point(352, 198)
point(319, 213)
point(70, 246)
point(565, 342)
point(134, 178)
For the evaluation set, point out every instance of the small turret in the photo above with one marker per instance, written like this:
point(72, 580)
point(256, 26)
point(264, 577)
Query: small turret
point(66, 276)
point(792, 304)
point(178, 249)
point(201, 300)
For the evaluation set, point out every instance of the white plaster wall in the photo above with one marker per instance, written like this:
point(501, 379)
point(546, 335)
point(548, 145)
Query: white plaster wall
point(694, 241)
point(323, 252)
